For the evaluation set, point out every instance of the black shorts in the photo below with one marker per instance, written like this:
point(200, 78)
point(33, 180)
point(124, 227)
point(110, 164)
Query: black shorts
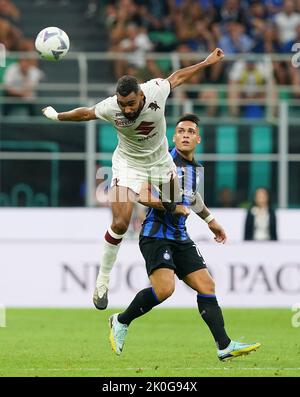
point(181, 256)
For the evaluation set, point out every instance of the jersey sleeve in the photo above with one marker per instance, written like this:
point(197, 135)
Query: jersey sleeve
point(161, 87)
point(102, 109)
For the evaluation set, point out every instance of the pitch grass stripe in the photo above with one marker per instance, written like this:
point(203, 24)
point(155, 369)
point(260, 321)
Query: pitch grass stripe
point(150, 369)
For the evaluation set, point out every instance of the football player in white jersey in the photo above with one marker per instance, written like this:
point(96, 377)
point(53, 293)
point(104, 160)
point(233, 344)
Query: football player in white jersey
point(137, 113)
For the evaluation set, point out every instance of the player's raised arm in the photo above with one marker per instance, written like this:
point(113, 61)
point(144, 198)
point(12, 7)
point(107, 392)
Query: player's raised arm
point(78, 114)
point(182, 75)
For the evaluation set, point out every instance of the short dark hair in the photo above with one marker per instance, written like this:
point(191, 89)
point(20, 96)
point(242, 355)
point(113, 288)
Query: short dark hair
point(127, 84)
point(189, 117)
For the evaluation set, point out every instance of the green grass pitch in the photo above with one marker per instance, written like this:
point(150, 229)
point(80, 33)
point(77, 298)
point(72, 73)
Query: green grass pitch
point(165, 342)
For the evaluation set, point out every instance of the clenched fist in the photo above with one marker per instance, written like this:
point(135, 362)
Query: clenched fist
point(214, 57)
point(50, 113)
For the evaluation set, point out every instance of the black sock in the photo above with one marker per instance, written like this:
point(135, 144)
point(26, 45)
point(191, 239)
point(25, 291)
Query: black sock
point(212, 315)
point(143, 302)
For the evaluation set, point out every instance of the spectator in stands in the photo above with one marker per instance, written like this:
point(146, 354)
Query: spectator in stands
point(270, 45)
point(234, 40)
point(135, 44)
point(245, 80)
point(155, 15)
point(9, 34)
point(295, 71)
point(273, 6)
point(120, 15)
point(20, 81)
point(286, 22)
point(208, 97)
point(226, 198)
point(185, 19)
point(231, 11)
point(202, 40)
point(91, 9)
point(261, 222)
point(257, 18)
point(25, 45)
point(9, 11)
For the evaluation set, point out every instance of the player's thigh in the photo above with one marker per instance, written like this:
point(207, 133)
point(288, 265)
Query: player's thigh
point(159, 264)
point(163, 282)
point(201, 281)
point(187, 258)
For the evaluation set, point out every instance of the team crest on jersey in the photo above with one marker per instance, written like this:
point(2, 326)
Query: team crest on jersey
point(167, 256)
point(154, 106)
point(144, 128)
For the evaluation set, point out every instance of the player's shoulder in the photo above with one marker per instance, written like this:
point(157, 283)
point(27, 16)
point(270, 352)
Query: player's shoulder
point(173, 152)
point(110, 103)
point(107, 108)
point(181, 161)
point(157, 83)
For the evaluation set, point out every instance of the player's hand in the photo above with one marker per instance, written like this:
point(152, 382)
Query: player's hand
point(218, 231)
point(216, 56)
point(182, 210)
point(50, 113)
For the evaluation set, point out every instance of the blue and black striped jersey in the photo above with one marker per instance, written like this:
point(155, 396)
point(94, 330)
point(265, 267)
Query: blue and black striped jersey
point(161, 224)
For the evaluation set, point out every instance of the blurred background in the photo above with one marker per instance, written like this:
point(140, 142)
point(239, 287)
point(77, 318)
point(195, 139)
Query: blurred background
point(249, 106)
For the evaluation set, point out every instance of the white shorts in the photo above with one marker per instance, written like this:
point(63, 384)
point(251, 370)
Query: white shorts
point(133, 178)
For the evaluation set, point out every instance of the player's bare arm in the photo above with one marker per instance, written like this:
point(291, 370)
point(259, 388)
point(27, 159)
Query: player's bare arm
point(182, 75)
point(147, 198)
point(78, 114)
point(214, 226)
point(218, 231)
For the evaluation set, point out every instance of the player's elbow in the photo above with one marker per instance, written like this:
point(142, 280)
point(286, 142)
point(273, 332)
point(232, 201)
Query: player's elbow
point(175, 80)
point(88, 114)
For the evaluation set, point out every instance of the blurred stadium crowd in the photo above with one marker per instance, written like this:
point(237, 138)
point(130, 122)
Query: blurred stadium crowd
point(10, 33)
point(185, 26)
point(136, 27)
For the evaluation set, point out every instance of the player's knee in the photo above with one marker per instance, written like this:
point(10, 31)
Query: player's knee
point(212, 286)
point(209, 287)
point(163, 292)
point(119, 226)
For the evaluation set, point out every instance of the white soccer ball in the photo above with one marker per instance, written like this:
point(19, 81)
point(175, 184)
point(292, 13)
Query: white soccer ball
point(52, 43)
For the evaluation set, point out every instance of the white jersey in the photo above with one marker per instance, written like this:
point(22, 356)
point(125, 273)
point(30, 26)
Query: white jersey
point(142, 142)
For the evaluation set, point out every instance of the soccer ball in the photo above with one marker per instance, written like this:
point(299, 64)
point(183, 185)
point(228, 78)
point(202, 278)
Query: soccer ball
point(52, 43)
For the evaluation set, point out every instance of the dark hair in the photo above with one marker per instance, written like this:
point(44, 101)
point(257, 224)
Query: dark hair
point(127, 84)
point(189, 117)
point(268, 194)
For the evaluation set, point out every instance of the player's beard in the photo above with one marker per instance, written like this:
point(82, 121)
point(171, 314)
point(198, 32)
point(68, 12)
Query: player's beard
point(134, 115)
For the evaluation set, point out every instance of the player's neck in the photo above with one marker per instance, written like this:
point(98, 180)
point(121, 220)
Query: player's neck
point(186, 155)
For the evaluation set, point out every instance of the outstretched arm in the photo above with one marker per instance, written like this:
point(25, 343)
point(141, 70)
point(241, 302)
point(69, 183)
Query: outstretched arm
point(182, 75)
point(78, 114)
